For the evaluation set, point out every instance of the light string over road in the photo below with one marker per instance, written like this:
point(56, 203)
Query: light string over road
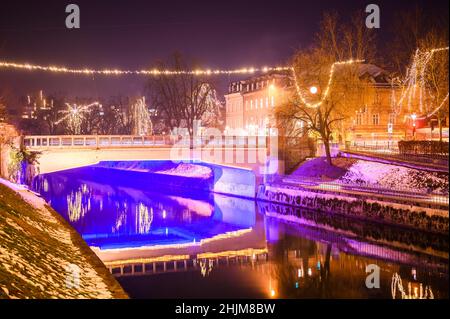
point(326, 92)
point(155, 71)
point(414, 76)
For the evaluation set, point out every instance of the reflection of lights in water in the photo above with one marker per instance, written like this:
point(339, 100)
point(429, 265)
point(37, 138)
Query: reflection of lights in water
point(272, 292)
point(416, 292)
point(144, 218)
point(121, 220)
point(164, 258)
point(300, 273)
point(226, 235)
point(309, 272)
point(206, 267)
point(45, 185)
point(203, 256)
point(76, 206)
point(164, 214)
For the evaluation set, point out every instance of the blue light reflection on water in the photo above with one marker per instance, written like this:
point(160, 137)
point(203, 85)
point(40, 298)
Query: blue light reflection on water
point(114, 212)
point(115, 208)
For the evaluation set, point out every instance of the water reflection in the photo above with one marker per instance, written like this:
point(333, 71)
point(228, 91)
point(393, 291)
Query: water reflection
point(190, 244)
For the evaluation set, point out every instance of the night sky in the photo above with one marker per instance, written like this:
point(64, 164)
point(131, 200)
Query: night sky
point(134, 34)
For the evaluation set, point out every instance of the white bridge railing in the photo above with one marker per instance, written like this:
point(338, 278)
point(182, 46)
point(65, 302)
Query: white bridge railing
point(112, 141)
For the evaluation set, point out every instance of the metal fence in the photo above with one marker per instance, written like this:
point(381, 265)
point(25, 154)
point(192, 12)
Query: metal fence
point(337, 185)
point(392, 152)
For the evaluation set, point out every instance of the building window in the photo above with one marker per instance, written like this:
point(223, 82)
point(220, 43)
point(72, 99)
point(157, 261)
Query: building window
point(272, 101)
point(392, 118)
point(261, 103)
point(375, 119)
point(267, 101)
point(359, 119)
point(251, 105)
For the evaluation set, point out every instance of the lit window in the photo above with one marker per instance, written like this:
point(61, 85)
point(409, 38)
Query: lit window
point(272, 101)
point(261, 103)
point(392, 118)
point(375, 119)
point(267, 101)
point(251, 105)
point(359, 119)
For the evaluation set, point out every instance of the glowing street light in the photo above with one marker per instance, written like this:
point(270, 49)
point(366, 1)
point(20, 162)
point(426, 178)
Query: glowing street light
point(413, 117)
point(313, 90)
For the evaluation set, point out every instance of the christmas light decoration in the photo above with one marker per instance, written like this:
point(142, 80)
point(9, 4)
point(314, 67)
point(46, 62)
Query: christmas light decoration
point(88, 71)
point(413, 85)
point(74, 115)
point(413, 293)
point(142, 122)
point(326, 92)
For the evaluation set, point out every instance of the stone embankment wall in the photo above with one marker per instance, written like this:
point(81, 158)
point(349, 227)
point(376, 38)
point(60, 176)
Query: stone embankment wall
point(431, 220)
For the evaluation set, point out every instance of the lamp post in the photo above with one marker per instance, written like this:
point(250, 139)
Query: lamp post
point(414, 117)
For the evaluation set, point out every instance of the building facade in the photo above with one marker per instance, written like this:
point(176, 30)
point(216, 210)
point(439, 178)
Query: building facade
point(250, 103)
point(250, 106)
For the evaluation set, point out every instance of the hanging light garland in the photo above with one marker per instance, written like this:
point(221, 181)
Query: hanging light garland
point(414, 77)
point(87, 71)
point(414, 84)
point(327, 89)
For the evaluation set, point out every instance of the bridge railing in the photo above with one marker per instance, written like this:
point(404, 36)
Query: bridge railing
point(111, 141)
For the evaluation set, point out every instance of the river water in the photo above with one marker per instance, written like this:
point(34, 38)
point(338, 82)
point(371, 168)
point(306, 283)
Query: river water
point(184, 243)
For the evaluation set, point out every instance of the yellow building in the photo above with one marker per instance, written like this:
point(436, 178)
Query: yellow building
point(250, 103)
point(250, 106)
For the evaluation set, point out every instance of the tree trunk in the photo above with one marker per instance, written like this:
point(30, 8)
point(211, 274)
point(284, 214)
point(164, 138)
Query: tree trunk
point(440, 126)
point(326, 144)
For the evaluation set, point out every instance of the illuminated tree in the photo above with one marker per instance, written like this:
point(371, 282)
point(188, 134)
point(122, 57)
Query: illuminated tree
point(183, 99)
point(327, 81)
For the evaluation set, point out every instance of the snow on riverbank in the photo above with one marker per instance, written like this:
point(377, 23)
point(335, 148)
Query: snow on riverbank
point(41, 256)
point(392, 176)
point(188, 170)
point(368, 173)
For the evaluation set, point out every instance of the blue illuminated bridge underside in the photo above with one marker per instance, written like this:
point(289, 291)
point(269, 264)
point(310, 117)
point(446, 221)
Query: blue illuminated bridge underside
point(129, 204)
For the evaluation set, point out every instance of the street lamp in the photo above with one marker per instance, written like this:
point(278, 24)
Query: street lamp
point(313, 90)
point(413, 117)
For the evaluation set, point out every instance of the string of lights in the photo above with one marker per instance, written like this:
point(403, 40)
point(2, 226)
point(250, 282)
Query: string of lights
point(435, 110)
point(415, 75)
point(327, 89)
point(152, 72)
point(414, 84)
point(74, 115)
